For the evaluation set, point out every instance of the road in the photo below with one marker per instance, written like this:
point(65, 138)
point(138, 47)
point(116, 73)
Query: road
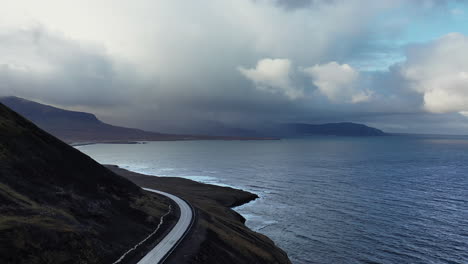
point(164, 248)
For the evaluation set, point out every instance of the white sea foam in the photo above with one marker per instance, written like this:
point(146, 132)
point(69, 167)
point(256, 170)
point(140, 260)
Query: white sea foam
point(162, 172)
point(205, 179)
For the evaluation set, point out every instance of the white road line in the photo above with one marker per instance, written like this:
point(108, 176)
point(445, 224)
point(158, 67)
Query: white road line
point(170, 242)
point(161, 221)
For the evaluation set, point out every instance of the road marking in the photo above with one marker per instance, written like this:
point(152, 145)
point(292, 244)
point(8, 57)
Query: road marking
point(164, 248)
point(161, 221)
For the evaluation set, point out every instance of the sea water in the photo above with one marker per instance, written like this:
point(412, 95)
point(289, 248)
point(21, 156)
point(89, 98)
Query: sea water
point(395, 199)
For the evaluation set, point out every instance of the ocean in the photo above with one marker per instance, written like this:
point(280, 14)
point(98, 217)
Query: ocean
point(395, 199)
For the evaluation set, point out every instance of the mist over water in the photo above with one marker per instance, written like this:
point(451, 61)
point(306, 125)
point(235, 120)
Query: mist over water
point(332, 199)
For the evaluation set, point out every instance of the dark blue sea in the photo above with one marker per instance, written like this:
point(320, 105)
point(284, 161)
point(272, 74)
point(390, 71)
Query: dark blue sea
point(395, 199)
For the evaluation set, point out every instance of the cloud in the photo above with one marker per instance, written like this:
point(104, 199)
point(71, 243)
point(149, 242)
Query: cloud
point(439, 71)
point(36, 63)
point(273, 75)
point(294, 4)
point(156, 70)
point(338, 82)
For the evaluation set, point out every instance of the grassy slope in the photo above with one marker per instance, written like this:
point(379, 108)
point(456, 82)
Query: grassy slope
point(59, 206)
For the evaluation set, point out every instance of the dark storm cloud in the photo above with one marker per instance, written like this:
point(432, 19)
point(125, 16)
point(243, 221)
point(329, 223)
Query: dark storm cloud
point(203, 67)
point(52, 68)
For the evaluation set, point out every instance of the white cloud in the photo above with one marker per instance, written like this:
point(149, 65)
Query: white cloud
point(362, 96)
point(273, 75)
point(338, 82)
point(439, 71)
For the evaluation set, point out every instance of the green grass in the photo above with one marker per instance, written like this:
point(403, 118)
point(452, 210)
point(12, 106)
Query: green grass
point(10, 194)
point(40, 215)
point(150, 205)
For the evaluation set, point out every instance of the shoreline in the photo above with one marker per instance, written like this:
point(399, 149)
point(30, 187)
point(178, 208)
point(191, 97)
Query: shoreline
point(219, 233)
point(234, 206)
point(249, 196)
point(143, 141)
point(77, 144)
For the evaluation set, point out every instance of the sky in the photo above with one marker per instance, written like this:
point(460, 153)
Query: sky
point(177, 65)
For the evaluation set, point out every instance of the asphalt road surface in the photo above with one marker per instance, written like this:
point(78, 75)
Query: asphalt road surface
point(164, 248)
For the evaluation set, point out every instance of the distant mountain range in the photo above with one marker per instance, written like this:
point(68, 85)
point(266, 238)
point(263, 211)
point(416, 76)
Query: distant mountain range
point(330, 129)
point(80, 127)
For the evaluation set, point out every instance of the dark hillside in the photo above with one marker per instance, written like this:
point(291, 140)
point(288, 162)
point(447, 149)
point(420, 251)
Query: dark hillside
point(57, 205)
point(72, 126)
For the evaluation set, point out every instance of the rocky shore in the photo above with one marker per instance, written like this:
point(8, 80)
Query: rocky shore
point(219, 234)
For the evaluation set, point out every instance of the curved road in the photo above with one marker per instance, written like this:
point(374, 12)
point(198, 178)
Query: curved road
point(164, 248)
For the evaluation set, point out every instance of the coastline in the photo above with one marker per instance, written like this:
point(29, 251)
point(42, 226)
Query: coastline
point(219, 234)
point(76, 143)
point(227, 196)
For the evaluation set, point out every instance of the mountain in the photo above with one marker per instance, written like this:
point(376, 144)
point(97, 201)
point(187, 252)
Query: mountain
point(204, 127)
point(80, 127)
point(57, 205)
point(76, 127)
point(330, 129)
